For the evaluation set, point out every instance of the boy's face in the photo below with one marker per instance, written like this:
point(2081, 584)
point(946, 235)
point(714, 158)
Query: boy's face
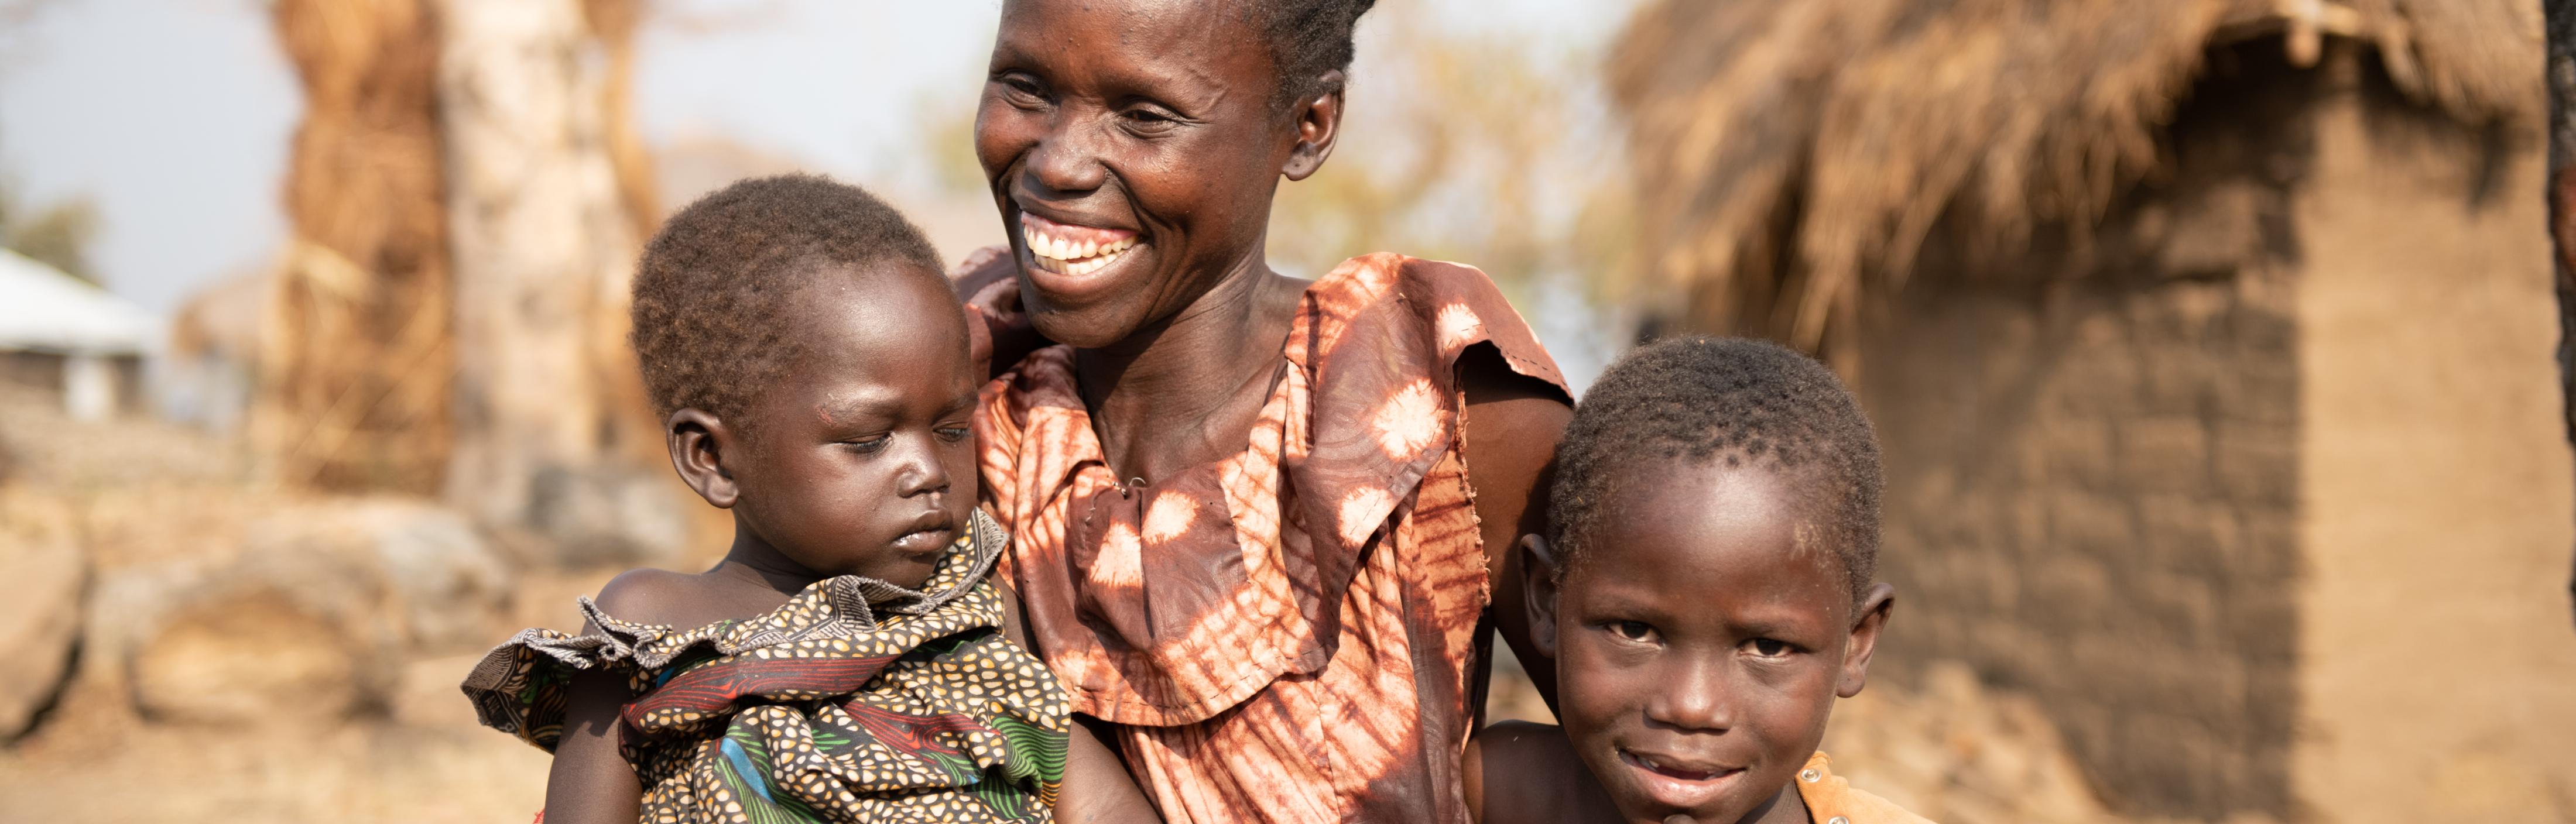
point(1699, 646)
point(860, 461)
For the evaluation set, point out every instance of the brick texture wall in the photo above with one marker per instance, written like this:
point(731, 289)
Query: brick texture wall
point(2093, 468)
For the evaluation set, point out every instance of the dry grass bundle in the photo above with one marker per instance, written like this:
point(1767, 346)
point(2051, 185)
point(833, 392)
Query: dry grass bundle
point(1793, 155)
point(355, 369)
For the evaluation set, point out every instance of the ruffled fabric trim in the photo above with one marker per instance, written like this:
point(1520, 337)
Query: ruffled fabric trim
point(849, 606)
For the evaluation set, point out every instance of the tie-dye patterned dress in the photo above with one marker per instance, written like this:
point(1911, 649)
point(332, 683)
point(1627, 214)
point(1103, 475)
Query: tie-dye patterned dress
point(1286, 634)
point(857, 700)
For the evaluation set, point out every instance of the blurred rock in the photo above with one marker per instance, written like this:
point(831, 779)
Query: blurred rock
point(607, 515)
point(312, 620)
point(43, 577)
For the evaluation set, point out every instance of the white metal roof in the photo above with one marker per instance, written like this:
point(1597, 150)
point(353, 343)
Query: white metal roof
point(44, 310)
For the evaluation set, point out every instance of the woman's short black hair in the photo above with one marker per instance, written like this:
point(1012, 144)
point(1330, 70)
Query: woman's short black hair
point(1308, 38)
point(1742, 401)
point(715, 281)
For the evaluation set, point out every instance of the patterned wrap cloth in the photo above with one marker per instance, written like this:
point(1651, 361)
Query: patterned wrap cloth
point(857, 700)
point(1286, 634)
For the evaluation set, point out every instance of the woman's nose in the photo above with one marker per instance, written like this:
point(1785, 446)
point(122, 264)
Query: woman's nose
point(1067, 160)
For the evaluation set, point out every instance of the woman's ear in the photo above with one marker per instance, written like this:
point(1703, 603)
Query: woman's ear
point(698, 442)
point(1874, 609)
point(1319, 124)
point(1538, 590)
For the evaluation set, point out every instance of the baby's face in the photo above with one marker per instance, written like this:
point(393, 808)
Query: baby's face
point(1698, 644)
point(862, 462)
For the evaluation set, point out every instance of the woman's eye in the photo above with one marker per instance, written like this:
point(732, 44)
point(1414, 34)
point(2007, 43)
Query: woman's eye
point(1148, 121)
point(1637, 631)
point(1769, 648)
point(1022, 90)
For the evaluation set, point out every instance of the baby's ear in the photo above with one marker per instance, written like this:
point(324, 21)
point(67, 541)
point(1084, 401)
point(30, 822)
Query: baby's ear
point(698, 442)
point(1874, 609)
point(1538, 590)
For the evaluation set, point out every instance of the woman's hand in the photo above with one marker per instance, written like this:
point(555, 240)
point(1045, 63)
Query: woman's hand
point(998, 330)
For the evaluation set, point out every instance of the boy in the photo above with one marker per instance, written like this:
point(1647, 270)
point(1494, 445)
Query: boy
point(1706, 594)
point(846, 659)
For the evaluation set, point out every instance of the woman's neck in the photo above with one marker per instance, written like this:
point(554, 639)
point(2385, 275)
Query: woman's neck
point(1186, 391)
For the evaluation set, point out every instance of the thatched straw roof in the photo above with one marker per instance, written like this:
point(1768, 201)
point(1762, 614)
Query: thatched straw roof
point(1790, 152)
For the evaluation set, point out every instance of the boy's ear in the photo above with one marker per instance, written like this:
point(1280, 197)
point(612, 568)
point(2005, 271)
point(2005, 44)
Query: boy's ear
point(698, 442)
point(1538, 591)
point(1874, 609)
point(1319, 125)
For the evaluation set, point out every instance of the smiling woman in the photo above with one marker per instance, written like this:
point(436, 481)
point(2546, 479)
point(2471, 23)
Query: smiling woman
point(1255, 520)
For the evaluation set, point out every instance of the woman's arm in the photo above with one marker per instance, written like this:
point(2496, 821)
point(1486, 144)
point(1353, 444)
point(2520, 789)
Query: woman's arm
point(1513, 424)
point(591, 781)
point(1097, 788)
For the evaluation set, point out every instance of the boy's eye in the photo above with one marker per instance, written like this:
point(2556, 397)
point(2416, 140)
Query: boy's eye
point(1637, 631)
point(1769, 648)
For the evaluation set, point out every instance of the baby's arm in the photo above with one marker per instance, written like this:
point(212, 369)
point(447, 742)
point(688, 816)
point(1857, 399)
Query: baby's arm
point(591, 781)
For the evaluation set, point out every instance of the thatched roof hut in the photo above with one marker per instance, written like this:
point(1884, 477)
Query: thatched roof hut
point(2211, 345)
point(1807, 150)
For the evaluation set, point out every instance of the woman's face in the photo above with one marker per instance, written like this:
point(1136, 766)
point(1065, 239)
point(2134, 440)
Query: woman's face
point(1133, 147)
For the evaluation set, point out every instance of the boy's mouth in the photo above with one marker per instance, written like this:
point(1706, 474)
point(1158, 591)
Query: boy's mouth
point(1675, 781)
point(1067, 249)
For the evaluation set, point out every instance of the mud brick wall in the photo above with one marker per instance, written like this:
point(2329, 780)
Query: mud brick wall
point(2092, 499)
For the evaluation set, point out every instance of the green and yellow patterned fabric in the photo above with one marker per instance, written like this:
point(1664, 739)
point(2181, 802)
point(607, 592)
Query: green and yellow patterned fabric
point(855, 701)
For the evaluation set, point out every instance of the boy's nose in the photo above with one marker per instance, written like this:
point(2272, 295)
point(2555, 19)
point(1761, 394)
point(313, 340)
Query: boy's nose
point(1694, 697)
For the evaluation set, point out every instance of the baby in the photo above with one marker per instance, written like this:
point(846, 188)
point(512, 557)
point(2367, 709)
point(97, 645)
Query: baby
point(847, 659)
point(1705, 591)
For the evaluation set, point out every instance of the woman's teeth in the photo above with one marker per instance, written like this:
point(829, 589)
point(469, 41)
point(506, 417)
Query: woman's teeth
point(1065, 256)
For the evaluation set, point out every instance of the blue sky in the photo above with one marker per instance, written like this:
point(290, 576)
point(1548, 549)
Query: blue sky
point(174, 115)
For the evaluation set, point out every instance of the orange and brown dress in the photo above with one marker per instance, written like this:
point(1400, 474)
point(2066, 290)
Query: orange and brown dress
point(1286, 634)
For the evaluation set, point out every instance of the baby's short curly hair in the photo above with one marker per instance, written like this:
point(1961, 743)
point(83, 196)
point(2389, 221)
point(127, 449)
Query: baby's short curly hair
point(715, 281)
point(1742, 401)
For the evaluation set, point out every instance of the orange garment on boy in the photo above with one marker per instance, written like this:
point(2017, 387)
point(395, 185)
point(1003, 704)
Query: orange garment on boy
point(1285, 634)
point(1831, 800)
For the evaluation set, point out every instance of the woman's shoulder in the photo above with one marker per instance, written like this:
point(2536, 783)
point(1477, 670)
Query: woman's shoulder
point(1449, 309)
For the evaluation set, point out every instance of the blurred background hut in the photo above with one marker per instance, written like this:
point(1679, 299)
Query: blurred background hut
point(2210, 343)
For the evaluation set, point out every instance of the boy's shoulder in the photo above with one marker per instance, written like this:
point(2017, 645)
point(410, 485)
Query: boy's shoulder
point(1523, 771)
point(1832, 800)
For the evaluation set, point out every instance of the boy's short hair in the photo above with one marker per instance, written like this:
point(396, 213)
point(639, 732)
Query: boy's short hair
point(713, 284)
point(1741, 401)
